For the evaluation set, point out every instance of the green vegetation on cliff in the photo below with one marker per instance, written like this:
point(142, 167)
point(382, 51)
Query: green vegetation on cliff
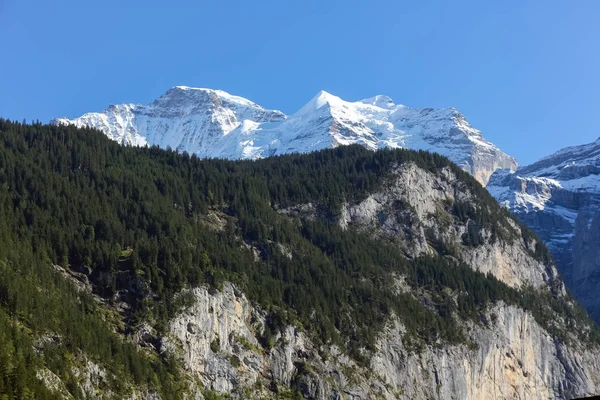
point(133, 222)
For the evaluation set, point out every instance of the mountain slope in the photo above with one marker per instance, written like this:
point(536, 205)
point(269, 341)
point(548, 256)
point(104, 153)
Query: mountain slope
point(340, 273)
point(213, 123)
point(559, 197)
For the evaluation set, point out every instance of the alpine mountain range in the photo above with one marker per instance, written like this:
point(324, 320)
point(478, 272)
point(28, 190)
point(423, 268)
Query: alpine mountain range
point(214, 124)
point(557, 196)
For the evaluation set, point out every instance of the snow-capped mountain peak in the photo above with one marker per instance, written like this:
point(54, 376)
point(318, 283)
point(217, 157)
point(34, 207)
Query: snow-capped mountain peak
point(214, 123)
point(320, 100)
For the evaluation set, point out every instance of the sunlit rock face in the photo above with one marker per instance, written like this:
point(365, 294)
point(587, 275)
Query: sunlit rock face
point(216, 339)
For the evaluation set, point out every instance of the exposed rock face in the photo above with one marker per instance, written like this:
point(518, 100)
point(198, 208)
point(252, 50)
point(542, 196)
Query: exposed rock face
point(213, 123)
point(214, 330)
point(92, 381)
point(409, 212)
point(559, 198)
point(513, 358)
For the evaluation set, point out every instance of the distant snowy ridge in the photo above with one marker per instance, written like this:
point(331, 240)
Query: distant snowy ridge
point(214, 123)
point(559, 197)
point(574, 170)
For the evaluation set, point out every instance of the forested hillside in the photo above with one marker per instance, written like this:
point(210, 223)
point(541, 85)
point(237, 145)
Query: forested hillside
point(132, 226)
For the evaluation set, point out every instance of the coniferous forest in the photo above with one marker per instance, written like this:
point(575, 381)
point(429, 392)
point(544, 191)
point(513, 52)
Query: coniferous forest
point(132, 221)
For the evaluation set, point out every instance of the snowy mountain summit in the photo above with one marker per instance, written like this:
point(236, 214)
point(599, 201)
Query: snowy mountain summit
point(213, 123)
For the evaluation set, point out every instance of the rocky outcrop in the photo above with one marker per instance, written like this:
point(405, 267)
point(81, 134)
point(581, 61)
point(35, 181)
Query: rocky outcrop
point(514, 358)
point(217, 340)
point(213, 335)
point(90, 381)
point(410, 211)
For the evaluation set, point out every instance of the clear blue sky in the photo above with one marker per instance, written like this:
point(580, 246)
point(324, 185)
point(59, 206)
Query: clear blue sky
point(527, 73)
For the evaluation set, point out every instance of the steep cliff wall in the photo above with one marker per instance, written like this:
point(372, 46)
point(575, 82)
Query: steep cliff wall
point(511, 356)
